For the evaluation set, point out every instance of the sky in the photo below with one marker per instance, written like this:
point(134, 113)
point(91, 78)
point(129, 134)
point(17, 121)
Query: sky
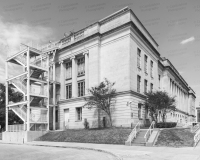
point(174, 24)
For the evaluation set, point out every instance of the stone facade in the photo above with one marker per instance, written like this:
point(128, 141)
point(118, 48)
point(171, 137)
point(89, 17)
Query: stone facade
point(120, 49)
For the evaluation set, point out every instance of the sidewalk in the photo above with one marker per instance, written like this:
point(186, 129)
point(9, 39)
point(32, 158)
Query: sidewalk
point(131, 152)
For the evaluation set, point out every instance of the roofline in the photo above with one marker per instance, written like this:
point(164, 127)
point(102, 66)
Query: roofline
point(143, 27)
point(177, 73)
point(120, 12)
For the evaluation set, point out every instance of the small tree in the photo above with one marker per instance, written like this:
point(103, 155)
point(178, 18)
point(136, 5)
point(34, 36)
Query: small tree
point(101, 97)
point(160, 102)
point(13, 96)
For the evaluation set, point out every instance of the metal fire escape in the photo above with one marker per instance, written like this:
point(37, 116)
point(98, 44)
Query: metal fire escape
point(33, 83)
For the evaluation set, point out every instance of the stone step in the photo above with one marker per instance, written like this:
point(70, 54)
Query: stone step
point(138, 144)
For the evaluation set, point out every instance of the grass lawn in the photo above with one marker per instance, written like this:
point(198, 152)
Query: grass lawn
point(102, 136)
point(175, 138)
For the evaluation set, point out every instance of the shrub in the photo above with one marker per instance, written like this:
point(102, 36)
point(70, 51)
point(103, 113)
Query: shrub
point(166, 125)
point(86, 124)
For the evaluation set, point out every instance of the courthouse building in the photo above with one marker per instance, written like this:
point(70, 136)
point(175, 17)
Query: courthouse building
point(118, 48)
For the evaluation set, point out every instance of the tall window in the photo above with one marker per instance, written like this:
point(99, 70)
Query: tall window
point(138, 83)
point(138, 58)
point(145, 63)
point(146, 113)
point(68, 70)
point(145, 86)
point(139, 111)
point(159, 80)
point(81, 66)
point(151, 69)
point(56, 116)
point(81, 88)
point(79, 114)
point(151, 87)
point(68, 91)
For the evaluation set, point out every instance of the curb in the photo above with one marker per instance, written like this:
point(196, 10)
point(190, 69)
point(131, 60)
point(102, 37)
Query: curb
point(80, 148)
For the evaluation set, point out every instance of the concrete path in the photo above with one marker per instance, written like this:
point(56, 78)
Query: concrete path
point(132, 152)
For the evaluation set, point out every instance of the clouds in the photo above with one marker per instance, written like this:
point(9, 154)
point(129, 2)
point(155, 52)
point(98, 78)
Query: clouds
point(187, 40)
point(13, 34)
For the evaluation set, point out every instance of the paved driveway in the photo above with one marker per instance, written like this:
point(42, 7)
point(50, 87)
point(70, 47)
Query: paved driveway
point(25, 152)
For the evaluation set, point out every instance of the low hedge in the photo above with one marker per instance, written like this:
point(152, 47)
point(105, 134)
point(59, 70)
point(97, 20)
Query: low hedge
point(166, 124)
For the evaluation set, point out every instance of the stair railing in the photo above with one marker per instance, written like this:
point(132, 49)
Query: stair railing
point(18, 82)
point(149, 131)
point(21, 58)
point(196, 138)
point(133, 134)
point(195, 128)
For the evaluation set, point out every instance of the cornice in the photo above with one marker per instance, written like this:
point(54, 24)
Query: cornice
point(118, 94)
point(178, 110)
point(169, 68)
point(128, 24)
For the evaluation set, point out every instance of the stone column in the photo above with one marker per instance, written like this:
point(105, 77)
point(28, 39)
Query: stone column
point(62, 80)
point(74, 77)
point(182, 101)
point(166, 83)
point(180, 105)
point(86, 72)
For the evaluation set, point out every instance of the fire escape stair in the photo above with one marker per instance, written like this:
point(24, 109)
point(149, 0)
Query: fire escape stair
point(20, 59)
point(20, 111)
point(140, 140)
point(36, 101)
point(36, 73)
point(19, 84)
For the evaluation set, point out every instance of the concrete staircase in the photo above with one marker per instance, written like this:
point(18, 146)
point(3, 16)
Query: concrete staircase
point(139, 140)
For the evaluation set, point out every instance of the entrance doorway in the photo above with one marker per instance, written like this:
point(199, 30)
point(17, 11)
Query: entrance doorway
point(66, 118)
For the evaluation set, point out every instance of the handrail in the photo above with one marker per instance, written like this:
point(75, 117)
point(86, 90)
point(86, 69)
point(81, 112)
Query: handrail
point(17, 76)
point(16, 128)
point(149, 131)
point(196, 138)
point(133, 134)
point(195, 128)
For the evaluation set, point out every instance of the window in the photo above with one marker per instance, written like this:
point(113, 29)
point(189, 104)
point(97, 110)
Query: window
point(146, 113)
point(68, 70)
point(138, 58)
point(151, 87)
point(56, 116)
point(159, 80)
point(138, 83)
point(81, 66)
point(139, 111)
point(151, 71)
point(145, 86)
point(81, 88)
point(79, 114)
point(68, 91)
point(145, 63)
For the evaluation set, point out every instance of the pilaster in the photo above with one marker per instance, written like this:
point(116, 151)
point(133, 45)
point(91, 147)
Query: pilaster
point(74, 77)
point(86, 54)
point(62, 80)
